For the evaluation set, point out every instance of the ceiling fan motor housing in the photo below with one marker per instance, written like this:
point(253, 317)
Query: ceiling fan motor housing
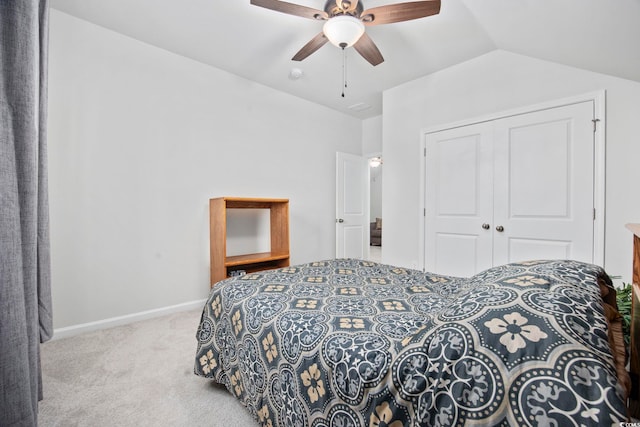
point(338, 7)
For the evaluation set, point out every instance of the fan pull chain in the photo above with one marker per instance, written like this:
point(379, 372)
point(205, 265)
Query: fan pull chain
point(344, 71)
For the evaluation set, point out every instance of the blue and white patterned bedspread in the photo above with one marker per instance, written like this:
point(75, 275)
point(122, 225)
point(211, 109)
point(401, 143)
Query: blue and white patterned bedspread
point(354, 343)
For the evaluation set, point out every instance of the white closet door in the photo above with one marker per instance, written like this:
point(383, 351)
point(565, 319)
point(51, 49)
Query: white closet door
point(459, 200)
point(543, 185)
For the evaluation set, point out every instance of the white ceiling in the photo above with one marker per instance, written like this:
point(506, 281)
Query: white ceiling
point(257, 43)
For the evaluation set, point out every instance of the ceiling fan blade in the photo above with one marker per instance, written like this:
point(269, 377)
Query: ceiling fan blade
point(400, 12)
point(368, 49)
point(291, 9)
point(316, 43)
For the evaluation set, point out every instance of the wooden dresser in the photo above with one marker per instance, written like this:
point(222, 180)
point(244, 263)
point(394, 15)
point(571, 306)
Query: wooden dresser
point(634, 363)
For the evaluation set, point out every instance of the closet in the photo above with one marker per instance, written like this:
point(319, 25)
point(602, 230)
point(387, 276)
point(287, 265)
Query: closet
point(514, 188)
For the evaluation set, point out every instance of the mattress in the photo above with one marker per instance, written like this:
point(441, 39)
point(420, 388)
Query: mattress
point(346, 342)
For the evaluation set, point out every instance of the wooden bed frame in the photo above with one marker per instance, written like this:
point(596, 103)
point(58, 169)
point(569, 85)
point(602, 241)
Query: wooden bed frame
point(634, 362)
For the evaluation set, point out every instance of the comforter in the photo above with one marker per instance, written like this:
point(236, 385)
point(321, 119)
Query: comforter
point(354, 343)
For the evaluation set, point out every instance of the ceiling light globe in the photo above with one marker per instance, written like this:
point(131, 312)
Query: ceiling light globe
point(343, 30)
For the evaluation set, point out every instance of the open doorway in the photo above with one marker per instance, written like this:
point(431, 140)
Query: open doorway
point(375, 208)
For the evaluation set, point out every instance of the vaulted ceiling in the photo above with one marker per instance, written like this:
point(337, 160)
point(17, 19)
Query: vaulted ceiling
point(257, 43)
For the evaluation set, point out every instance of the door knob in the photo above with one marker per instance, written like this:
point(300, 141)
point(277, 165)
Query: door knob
point(500, 229)
point(486, 226)
point(340, 220)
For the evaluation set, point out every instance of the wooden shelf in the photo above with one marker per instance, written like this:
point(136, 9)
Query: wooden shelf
point(221, 264)
point(234, 261)
point(252, 203)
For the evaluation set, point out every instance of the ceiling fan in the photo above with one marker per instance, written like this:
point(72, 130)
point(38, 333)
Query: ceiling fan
point(346, 21)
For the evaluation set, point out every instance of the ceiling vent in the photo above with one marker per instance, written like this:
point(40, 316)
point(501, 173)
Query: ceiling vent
point(360, 106)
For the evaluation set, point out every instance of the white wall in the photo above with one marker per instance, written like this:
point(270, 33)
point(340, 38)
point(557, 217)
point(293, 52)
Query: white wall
point(372, 136)
point(496, 82)
point(139, 140)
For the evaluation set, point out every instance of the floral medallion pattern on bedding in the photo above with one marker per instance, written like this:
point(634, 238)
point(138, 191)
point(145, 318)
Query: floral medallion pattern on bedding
point(354, 343)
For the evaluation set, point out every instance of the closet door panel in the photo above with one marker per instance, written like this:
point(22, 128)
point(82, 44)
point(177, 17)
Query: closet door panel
point(532, 249)
point(459, 200)
point(458, 254)
point(543, 186)
point(539, 171)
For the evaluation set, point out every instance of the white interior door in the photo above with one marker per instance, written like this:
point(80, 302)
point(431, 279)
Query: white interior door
point(512, 189)
point(459, 209)
point(352, 204)
point(544, 185)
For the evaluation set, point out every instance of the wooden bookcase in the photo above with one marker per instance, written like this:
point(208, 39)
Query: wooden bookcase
point(221, 264)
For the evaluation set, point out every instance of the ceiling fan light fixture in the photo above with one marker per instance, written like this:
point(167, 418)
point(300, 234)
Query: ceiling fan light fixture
point(375, 162)
point(343, 30)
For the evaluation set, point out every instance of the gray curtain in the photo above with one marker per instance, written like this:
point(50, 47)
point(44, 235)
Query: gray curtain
point(25, 291)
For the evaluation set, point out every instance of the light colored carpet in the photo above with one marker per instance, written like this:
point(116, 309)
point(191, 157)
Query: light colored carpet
point(134, 375)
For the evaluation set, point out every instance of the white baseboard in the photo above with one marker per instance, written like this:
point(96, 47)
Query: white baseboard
point(70, 331)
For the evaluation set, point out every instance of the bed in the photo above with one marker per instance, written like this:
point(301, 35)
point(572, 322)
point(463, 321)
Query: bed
point(347, 342)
